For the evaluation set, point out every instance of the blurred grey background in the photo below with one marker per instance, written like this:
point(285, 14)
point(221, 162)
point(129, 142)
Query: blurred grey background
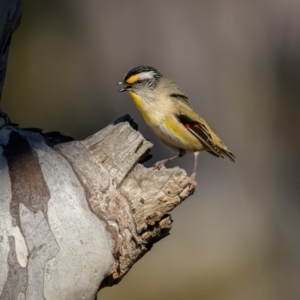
point(238, 236)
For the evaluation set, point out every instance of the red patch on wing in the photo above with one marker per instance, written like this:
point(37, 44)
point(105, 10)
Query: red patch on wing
point(187, 125)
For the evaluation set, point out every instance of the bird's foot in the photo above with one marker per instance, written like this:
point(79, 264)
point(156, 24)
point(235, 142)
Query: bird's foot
point(193, 179)
point(158, 165)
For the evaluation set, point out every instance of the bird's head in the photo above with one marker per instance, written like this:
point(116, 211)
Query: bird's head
point(140, 78)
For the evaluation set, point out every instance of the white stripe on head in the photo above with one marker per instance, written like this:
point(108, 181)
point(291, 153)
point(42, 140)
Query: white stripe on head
point(146, 75)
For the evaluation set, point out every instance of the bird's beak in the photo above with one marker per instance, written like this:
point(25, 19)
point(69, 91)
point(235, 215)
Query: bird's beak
point(126, 88)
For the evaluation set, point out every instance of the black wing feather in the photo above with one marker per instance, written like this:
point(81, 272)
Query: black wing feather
point(200, 131)
point(181, 97)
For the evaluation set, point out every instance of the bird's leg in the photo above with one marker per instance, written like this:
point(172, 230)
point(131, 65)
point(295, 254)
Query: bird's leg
point(193, 176)
point(158, 165)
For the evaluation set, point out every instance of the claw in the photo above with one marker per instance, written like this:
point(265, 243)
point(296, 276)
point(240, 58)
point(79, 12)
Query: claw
point(158, 165)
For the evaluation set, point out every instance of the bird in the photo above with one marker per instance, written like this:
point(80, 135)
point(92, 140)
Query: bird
point(167, 111)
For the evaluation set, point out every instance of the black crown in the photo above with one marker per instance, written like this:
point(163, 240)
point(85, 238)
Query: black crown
point(141, 69)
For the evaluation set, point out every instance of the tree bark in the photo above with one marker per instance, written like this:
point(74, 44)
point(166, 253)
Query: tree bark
point(75, 216)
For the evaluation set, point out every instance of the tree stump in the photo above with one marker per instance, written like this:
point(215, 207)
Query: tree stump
point(75, 216)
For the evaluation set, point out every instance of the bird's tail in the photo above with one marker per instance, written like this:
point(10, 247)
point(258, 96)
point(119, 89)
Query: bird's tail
point(228, 154)
point(221, 152)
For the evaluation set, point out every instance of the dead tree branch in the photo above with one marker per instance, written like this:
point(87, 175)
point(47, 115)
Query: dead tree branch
point(78, 215)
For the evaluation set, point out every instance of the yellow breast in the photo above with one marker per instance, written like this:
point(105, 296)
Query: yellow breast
point(140, 105)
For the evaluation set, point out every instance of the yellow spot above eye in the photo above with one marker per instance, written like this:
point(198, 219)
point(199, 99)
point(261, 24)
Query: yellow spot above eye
point(132, 79)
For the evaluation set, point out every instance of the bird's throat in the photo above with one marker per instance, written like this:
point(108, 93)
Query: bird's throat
point(139, 104)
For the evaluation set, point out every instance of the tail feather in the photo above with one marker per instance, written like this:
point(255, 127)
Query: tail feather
point(228, 154)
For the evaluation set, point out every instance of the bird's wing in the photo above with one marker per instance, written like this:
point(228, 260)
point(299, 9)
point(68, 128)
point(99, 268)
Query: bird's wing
point(200, 131)
point(173, 91)
point(181, 97)
point(194, 123)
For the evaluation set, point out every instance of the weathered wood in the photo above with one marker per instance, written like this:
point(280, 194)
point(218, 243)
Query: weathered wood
point(78, 215)
point(46, 226)
point(144, 196)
